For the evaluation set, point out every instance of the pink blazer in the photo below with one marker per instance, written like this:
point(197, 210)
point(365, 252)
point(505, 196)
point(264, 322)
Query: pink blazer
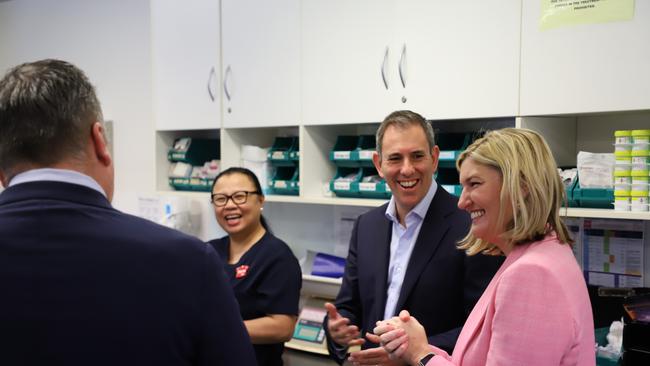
point(535, 311)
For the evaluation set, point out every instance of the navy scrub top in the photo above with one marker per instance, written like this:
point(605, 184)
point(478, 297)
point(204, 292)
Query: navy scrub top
point(266, 280)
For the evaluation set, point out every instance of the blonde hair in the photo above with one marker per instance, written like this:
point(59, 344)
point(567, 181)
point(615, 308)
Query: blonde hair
point(530, 182)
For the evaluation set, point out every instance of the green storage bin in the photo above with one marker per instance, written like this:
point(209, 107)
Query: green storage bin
point(285, 181)
point(200, 184)
point(593, 197)
point(447, 179)
point(191, 184)
point(371, 189)
point(359, 188)
point(342, 152)
point(194, 151)
point(346, 189)
point(364, 151)
point(180, 184)
point(451, 145)
point(571, 198)
point(284, 151)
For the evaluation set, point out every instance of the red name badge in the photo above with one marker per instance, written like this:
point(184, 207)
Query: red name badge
point(241, 271)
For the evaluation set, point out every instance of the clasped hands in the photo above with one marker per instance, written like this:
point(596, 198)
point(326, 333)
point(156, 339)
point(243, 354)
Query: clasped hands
point(402, 339)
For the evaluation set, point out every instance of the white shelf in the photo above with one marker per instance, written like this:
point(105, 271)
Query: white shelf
point(321, 279)
point(191, 194)
point(339, 201)
point(596, 213)
point(306, 347)
point(323, 287)
point(602, 213)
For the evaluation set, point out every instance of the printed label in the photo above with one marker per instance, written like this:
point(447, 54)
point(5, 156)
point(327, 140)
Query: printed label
point(342, 155)
point(342, 186)
point(368, 187)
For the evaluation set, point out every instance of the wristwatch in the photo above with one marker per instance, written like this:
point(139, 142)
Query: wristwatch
point(423, 361)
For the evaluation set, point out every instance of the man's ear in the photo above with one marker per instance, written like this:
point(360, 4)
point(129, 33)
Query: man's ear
point(3, 179)
point(376, 160)
point(100, 144)
point(435, 156)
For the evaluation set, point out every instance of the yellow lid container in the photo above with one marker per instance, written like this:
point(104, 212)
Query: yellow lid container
point(635, 133)
point(623, 173)
point(622, 193)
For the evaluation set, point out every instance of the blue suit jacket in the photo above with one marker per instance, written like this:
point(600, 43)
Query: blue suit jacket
point(84, 284)
point(441, 284)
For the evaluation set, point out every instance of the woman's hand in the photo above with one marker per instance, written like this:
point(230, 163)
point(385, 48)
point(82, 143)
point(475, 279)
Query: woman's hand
point(403, 337)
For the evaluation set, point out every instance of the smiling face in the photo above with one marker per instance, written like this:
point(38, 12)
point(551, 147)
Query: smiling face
point(238, 219)
point(407, 164)
point(481, 198)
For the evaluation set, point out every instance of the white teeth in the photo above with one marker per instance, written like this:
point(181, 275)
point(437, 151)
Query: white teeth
point(230, 217)
point(479, 213)
point(408, 184)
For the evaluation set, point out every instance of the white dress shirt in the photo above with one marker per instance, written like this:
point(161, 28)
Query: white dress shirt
point(401, 245)
point(57, 175)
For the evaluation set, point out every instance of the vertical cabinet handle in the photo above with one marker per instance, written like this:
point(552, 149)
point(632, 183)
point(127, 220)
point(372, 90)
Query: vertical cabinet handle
point(383, 69)
point(210, 80)
point(402, 59)
point(225, 82)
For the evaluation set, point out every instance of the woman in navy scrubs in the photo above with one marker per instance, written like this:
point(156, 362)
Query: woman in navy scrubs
point(262, 270)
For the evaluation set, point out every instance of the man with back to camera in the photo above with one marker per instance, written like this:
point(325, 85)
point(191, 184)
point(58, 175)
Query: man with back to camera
point(82, 283)
point(404, 253)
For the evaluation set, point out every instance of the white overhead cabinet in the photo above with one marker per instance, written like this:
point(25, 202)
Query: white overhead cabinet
point(186, 71)
point(348, 65)
point(585, 68)
point(261, 63)
point(460, 58)
point(443, 59)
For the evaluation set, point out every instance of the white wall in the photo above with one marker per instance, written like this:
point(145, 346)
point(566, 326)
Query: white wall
point(110, 41)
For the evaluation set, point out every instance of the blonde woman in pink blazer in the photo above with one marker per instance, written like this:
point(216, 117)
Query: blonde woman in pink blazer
point(536, 309)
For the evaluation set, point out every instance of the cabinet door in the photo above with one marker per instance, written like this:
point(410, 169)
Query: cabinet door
point(585, 68)
point(185, 49)
point(345, 46)
point(261, 62)
point(460, 58)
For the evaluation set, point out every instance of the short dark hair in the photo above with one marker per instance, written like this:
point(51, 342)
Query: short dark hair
point(253, 178)
point(403, 119)
point(47, 109)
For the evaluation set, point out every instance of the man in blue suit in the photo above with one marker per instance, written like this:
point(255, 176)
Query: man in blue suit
point(82, 283)
point(403, 254)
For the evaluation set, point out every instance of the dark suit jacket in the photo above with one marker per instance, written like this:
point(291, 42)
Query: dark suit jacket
point(441, 284)
point(84, 284)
